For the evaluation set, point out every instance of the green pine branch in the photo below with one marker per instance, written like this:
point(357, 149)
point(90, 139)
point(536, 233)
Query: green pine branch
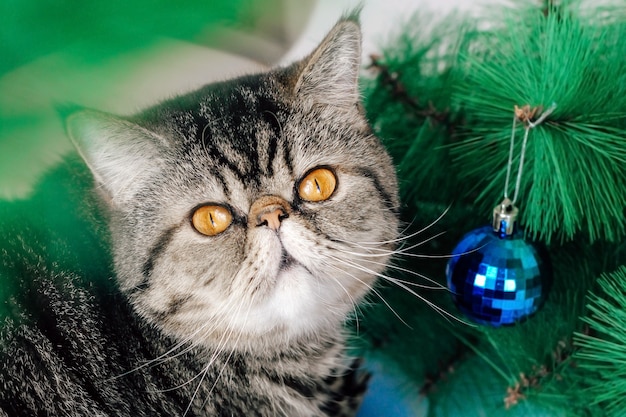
point(602, 349)
point(575, 177)
point(448, 101)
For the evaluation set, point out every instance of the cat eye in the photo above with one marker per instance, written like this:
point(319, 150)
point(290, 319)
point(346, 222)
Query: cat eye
point(318, 185)
point(211, 220)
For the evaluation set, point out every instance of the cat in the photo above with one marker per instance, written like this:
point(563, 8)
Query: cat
point(229, 234)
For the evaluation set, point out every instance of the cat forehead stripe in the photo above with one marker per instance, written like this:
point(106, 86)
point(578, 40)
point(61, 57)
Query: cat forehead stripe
point(245, 140)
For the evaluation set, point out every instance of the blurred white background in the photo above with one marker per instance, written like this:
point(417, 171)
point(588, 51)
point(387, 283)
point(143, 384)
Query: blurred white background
point(379, 18)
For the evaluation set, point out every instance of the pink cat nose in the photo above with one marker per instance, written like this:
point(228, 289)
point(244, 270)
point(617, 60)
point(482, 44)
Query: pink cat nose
point(269, 211)
point(272, 217)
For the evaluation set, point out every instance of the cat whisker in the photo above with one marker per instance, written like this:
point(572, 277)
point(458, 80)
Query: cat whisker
point(164, 357)
point(232, 351)
point(204, 330)
point(189, 381)
point(372, 290)
point(402, 236)
point(441, 311)
point(186, 344)
point(280, 126)
point(203, 138)
point(407, 226)
point(445, 314)
point(187, 349)
point(434, 222)
point(452, 255)
point(436, 285)
point(222, 343)
point(420, 243)
point(403, 251)
point(383, 251)
point(202, 376)
point(355, 305)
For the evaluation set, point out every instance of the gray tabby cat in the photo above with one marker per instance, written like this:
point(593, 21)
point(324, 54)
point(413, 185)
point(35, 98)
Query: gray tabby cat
point(246, 219)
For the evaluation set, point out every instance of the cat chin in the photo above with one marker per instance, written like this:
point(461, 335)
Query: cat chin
point(298, 304)
point(298, 307)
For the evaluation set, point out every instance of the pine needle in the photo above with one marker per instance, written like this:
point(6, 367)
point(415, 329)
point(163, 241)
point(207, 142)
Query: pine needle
point(602, 351)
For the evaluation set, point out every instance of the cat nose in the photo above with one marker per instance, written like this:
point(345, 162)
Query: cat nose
point(269, 211)
point(272, 217)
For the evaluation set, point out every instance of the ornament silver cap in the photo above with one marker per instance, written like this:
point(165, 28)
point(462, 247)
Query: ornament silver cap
point(504, 218)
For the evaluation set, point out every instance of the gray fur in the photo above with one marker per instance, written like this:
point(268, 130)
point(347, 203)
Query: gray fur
point(229, 331)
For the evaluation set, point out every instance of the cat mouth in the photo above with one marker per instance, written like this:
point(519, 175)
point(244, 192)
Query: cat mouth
point(286, 261)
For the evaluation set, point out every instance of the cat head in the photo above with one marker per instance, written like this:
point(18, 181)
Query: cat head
point(255, 210)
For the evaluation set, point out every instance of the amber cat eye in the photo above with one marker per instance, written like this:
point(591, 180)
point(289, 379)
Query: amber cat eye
point(211, 220)
point(318, 185)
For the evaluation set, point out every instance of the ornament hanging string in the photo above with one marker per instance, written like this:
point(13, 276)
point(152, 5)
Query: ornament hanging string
point(523, 114)
point(497, 277)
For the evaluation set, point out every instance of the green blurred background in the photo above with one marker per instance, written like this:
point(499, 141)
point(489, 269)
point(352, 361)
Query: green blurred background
point(118, 56)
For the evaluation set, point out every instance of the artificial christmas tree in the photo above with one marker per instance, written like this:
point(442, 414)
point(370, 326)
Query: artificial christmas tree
point(447, 103)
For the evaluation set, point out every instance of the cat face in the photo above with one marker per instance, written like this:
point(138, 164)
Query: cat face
point(258, 210)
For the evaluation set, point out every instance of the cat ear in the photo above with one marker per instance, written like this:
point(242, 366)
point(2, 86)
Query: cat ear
point(330, 73)
point(120, 154)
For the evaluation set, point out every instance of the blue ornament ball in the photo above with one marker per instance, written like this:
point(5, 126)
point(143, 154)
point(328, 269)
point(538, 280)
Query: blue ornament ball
point(496, 279)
